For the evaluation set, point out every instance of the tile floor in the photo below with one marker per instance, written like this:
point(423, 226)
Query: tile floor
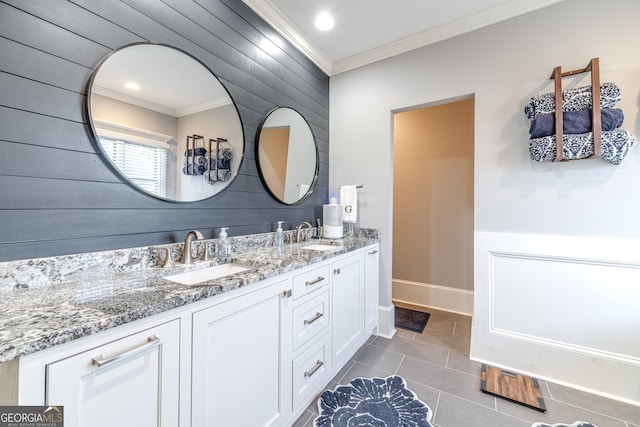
point(437, 368)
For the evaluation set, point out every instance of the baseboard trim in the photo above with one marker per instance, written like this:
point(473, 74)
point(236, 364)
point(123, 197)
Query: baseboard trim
point(433, 296)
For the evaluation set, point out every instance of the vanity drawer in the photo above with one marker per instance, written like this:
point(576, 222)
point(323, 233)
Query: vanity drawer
point(310, 371)
point(310, 281)
point(310, 318)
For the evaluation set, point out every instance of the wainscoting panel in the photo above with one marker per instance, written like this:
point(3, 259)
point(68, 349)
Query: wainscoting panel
point(561, 308)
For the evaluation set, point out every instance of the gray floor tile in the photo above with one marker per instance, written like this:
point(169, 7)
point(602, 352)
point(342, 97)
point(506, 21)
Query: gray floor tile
point(595, 403)
point(341, 373)
point(360, 370)
point(557, 412)
point(453, 411)
point(427, 395)
point(414, 348)
point(447, 315)
point(456, 342)
point(462, 330)
point(404, 333)
point(447, 380)
point(304, 418)
point(379, 357)
point(437, 368)
point(461, 362)
point(441, 325)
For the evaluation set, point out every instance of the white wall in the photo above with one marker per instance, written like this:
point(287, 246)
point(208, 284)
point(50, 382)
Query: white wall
point(503, 66)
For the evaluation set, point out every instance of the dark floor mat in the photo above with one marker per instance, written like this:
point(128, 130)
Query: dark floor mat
point(411, 320)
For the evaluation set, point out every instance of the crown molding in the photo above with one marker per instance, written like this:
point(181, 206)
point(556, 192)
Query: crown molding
point(272, 15)
point(487, 17)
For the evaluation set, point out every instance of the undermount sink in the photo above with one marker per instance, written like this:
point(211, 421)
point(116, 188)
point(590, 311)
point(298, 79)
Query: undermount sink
point(321, 247)
point(206, 274)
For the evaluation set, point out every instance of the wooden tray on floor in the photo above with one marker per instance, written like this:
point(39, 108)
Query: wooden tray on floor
point(513, 387)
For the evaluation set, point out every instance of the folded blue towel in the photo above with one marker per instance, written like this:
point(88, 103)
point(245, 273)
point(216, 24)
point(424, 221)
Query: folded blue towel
point(199, 152)
point(198, 170)
point(575, 122)
point(221, 164)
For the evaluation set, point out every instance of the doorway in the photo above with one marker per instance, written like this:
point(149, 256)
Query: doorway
point(433, 182)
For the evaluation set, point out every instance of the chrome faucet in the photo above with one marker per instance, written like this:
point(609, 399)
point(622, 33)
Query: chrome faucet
point(299, 228)
point(186, 250)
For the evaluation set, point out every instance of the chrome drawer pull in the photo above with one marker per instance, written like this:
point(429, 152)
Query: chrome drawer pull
point(313, 370)
point(152, 341)
point(314, 318)
point(313, 282)
point(373, 252)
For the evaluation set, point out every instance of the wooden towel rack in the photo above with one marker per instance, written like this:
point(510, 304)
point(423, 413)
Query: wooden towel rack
point(596, 125)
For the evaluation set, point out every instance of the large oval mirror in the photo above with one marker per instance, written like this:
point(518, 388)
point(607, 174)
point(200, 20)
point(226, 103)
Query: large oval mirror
point(287, 156)
point(165, 122)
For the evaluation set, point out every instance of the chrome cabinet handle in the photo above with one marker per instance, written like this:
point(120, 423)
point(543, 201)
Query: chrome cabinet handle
point(373, 252)
point(313, 282)
point(314, 318)
point(152, 341)
point(336, 271)
point(313, 370)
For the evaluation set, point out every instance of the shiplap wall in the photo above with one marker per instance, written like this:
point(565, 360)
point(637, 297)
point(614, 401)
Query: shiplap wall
point(58, 196)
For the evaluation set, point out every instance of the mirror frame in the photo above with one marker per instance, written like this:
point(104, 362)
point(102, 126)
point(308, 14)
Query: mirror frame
point(316, 171)
point(96, 140)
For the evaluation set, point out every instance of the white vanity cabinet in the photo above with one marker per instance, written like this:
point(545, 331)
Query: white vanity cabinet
point(311, 360)
point(255, 356)
point(133, 380)
point(239, 351)
point(371, 288)
point(347, 304)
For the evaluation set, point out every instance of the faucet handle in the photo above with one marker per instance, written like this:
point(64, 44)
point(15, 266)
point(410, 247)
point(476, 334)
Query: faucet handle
point(206, 253)
point(168, 261)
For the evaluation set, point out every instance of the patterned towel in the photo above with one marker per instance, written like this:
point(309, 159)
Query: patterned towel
point(572, 100)
point(213, 176)
point(615, 146)
point(199, 152)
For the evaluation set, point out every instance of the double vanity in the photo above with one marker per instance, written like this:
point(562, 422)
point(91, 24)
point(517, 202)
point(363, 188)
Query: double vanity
point(118, 339)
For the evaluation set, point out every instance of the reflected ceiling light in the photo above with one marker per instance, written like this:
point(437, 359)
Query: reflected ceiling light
point(132, 85)
point(324, 21)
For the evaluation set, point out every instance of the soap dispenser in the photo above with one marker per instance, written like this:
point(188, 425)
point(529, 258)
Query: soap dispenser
point(278, 240)
point(223, 247)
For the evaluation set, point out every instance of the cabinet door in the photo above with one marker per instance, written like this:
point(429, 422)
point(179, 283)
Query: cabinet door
point(131, 381)
point(371, 284)
point(347, 306)
point(237, 355)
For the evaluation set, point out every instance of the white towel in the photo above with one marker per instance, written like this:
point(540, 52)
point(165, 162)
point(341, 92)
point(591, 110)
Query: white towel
point(349, 201)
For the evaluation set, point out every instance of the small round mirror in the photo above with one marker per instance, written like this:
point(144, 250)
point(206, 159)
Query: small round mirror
point(164, 122)
point(287, 156)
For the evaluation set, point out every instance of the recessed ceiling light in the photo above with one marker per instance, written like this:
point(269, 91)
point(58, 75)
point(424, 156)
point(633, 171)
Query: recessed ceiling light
point(324, 21)
point(132, 85)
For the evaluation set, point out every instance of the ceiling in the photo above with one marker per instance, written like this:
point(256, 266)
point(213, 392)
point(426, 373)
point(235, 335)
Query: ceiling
point(370, 30)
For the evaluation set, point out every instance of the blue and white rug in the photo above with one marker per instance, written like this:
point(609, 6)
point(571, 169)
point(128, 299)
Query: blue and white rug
point(576, 424)
point(372, 402)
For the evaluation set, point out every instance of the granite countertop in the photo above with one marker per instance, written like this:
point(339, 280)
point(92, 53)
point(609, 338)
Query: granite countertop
point(35, 319)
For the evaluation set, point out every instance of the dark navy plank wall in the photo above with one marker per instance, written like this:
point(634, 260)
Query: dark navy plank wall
point(58, 196)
